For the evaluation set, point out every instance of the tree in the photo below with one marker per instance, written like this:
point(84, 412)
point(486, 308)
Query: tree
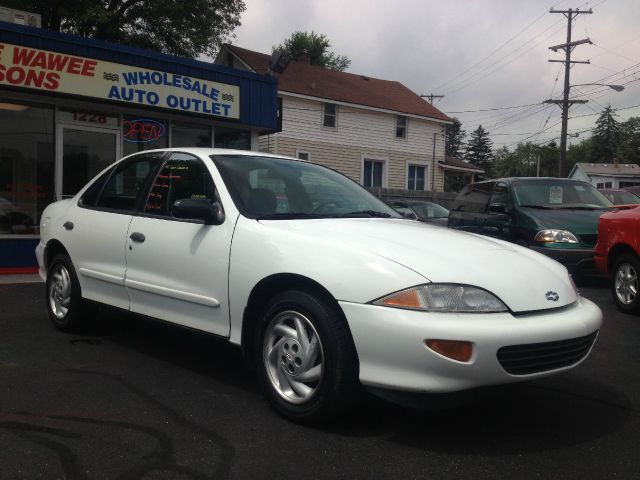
point(454, 138)
point(629, 146)
point(187, 29)
point(317, 47)
point(479, 150)
point(605, 137)
point(579, 152)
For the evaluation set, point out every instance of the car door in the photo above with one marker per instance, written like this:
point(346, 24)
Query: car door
point(177, 270)
point(497, 217)
point(96, 229)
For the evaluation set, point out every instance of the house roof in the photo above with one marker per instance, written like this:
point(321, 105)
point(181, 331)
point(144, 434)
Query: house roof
point(452, 163)
point(610, 169)
point(310, 80)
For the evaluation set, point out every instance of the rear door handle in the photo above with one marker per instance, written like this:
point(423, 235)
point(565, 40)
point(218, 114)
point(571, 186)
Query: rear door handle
point(137, 237)
point(68, 225)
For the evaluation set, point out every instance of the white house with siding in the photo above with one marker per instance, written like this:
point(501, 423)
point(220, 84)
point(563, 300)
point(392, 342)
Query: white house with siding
point(607, 175)
point(377, 132)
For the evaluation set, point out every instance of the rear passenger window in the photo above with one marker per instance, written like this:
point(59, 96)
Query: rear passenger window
point(182, 176)
point(474, 198)
point(122, 191)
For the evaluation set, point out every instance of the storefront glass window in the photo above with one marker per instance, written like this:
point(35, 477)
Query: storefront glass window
point(26, 166)
point(143, 133)
point(230, 138)
point(184, 135)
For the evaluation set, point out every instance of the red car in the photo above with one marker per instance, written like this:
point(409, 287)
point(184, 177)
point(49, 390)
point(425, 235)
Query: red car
point(617, 255)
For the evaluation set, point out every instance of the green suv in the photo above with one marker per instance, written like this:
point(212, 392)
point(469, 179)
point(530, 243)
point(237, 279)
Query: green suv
point(554, 216)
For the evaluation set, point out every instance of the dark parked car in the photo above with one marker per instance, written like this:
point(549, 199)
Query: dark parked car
point(619, 196)
point(554, 216)
point(421, 210)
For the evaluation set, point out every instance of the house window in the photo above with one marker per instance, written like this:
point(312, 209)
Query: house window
point(416, 177)
point(372, 174)
point(401, 126)
point(303, 155)
point(604, 185)
point(330, 113)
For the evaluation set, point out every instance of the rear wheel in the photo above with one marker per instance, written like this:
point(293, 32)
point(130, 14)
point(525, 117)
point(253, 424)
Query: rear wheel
point(307, 364)
point(65, 305)
point(624, 283)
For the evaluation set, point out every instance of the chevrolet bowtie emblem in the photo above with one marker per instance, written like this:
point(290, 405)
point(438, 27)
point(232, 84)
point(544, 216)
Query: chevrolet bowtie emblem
point(552, 296)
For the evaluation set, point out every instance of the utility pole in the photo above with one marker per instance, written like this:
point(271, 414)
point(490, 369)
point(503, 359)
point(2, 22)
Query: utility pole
point(565, 103)
point(431, 96)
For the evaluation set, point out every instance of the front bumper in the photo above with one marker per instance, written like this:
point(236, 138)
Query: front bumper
point(600, 262)
point(42, 271)
point(577, 260)
point(393, 355)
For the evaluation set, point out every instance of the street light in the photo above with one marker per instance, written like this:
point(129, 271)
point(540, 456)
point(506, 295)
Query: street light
point(565, 103)
point(617, 88)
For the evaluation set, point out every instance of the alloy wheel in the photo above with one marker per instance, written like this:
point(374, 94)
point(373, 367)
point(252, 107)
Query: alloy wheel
point(293, 356)
point(60, 292)
point(626, 283)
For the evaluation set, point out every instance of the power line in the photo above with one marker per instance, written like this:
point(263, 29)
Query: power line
point(493, 109)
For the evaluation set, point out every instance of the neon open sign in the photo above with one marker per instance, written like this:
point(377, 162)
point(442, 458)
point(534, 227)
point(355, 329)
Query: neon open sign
point(142, 130)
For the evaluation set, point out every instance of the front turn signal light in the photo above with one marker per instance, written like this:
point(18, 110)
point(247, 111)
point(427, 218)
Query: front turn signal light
point(456, 350)
point(405, 299)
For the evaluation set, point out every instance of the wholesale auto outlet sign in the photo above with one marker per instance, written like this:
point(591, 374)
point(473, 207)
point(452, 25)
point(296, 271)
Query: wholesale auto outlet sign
point(55, 72)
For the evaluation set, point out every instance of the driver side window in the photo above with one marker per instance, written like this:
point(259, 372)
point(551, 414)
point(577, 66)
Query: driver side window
point(182, 176)
point(500, 197)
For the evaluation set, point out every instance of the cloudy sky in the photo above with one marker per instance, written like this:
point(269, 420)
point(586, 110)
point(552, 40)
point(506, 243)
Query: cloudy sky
point(481, 55)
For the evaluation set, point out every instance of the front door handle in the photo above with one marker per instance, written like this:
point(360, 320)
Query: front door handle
point(137, 237)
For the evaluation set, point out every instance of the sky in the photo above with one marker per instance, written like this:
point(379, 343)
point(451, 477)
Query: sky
point(480, 54)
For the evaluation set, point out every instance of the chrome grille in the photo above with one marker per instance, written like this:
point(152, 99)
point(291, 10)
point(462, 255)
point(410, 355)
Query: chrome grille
point(542, 357)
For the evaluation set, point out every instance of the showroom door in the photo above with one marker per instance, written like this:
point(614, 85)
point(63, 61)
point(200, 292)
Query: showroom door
point(83, 152)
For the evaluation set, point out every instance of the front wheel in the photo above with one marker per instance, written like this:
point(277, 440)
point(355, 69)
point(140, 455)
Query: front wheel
point(624, 284)
point(308, 366)
point(65, 305)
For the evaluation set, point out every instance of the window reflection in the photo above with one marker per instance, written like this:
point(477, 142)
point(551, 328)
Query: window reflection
point(26, 166)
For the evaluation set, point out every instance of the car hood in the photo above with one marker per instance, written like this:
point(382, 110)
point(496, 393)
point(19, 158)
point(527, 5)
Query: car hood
point(577, 221)
point(520, 277)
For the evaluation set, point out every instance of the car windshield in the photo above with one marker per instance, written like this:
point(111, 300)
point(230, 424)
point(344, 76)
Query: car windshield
point(558, 194)
point(277, 188)
point(430, 210)
point(621, 197)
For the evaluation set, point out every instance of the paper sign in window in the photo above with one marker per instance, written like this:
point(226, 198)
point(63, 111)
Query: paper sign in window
point(555, 195)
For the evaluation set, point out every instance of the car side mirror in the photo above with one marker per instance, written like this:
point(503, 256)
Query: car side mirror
point(198, 209)
point(498, 208)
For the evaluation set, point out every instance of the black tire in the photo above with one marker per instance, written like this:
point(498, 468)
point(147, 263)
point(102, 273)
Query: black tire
point(624, 282)
point(337, 387)
point(67, 309)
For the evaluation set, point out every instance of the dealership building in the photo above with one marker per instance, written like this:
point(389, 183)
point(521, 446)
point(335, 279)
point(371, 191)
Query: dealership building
point(70, 106)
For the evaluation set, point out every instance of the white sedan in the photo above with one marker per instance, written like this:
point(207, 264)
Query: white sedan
point(323, 286)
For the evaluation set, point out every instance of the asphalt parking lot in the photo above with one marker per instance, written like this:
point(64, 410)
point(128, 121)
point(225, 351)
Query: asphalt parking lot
point(132, 398)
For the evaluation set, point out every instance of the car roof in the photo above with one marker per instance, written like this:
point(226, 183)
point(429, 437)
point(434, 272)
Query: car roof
point(205, 152)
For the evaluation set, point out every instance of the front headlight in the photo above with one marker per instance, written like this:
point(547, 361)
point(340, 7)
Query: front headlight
point(555, 236)
point(444, 297)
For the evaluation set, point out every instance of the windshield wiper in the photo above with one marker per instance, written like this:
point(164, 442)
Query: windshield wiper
point(365, 213)
point(542, 207)
point(582, 207)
